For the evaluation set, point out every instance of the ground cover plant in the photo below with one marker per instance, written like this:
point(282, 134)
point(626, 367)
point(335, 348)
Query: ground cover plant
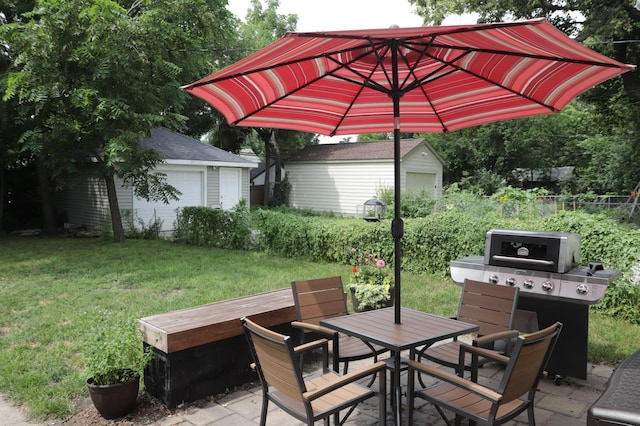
point(53, 291)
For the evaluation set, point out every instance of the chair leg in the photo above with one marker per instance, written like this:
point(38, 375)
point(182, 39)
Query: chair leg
point(410, 396)
point(532, 418)
point(382, 397)
point(458, 420)
point(443, 415)
point(263, 413)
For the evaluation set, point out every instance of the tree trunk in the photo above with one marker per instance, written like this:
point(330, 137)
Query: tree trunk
point(267, 170)
point(1, 196)
point(114, 209)
point(277, 191)
point(46, 201)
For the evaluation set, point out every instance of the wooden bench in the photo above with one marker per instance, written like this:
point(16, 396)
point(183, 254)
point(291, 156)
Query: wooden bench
point(202, 351)
point(620, 403)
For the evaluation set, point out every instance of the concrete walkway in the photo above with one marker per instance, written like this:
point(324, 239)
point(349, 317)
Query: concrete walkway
point(565, 404)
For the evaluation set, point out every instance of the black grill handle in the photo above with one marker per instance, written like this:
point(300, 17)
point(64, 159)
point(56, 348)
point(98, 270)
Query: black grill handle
point(523, 260)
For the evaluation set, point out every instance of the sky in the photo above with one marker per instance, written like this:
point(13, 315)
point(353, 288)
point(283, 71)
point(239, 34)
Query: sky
point(331, 15)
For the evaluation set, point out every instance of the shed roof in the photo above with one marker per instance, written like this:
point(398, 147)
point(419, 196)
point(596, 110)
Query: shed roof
point(177, 148)
point(375, 150)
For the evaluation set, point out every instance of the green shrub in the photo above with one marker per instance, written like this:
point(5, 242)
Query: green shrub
point(602, 238)
point(621, 300)
point(431, 243)
point(204, 226)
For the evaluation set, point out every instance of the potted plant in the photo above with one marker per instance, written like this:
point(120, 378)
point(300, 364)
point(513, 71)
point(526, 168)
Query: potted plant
point(114, 359)
point(371, 283)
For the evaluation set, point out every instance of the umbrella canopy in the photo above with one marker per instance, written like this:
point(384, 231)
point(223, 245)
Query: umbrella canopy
point(426, 79)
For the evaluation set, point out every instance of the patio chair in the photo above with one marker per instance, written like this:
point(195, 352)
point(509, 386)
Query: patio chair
point(492, 308)
point(311, 399)
point(482, 404)
point(324, 298)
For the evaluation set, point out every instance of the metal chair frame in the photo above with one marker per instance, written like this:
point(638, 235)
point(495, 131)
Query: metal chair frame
point(312, 399)
point(483, 404)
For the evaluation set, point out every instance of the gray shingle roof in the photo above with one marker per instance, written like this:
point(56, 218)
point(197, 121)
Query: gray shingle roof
point(175, 146)
point(377, 150)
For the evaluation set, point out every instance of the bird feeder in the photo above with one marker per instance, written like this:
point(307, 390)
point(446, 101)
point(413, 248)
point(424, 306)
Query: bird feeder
point(373, 210)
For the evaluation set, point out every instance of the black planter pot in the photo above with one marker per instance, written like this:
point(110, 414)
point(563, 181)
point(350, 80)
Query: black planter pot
point(115, 400)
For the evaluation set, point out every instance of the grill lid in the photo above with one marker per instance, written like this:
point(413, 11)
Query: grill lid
point(541, 251)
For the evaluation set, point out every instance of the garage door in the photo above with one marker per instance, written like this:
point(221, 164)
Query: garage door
point(189, 183)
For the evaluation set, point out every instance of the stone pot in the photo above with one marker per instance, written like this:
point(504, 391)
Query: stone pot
point(114, 400)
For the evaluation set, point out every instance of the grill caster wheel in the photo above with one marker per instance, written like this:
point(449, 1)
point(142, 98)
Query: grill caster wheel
point(557, 379)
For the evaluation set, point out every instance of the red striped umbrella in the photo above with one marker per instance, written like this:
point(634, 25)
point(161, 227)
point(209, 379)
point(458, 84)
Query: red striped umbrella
point(426, 79)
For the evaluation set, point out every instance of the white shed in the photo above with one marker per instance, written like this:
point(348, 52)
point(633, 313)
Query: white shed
point(341, 177)
point(204, 174)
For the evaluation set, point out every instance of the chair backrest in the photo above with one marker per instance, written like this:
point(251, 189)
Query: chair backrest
point(319, 299)
point(273, 355)
point(491, 307)
point(527, 363)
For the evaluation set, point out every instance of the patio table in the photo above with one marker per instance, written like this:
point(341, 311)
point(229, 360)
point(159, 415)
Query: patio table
point(417, 329)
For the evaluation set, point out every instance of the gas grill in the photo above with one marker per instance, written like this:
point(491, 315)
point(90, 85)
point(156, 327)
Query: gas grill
point(553, 287)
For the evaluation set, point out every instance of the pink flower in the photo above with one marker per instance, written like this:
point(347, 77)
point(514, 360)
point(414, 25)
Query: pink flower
point(380, 263)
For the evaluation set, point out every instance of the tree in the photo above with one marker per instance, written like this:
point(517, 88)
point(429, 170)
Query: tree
point(97, 75)
point(262, 27)
point(12, 154)
point(604, 151)
point(611, 26)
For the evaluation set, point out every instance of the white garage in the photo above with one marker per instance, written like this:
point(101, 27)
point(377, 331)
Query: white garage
point(205, 176)
point(191, 184)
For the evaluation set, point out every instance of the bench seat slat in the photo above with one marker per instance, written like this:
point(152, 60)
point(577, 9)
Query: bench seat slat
point(190, 327)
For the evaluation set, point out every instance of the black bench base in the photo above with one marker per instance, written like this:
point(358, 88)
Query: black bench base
point(620, 403)
point(201, 371)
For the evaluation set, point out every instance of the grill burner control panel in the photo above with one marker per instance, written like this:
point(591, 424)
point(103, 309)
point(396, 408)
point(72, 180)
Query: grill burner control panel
point(579, 285)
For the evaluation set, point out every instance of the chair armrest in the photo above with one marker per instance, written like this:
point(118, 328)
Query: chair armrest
point(330, 386)
point(480, 390)
point(487, 353)
point(501, 335)
point(326, 332)
point(309, 346)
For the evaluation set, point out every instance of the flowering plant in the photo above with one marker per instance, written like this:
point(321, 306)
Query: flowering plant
point(371, 282)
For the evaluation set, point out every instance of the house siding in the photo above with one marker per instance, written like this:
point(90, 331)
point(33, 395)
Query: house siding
point(343, 185)
point(213, 187)
point(246, 186)
point(315, 185)
point(86, 201)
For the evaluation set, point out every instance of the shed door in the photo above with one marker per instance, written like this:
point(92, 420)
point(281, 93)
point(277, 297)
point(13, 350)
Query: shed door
point(189, 183)
point(230, 187)
point(419, 181)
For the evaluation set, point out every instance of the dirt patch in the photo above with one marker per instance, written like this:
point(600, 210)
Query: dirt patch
point(148, 410)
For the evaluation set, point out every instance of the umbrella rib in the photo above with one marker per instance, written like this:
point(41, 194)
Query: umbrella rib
point(495, 83)
point(371, 84)
point(327, 55)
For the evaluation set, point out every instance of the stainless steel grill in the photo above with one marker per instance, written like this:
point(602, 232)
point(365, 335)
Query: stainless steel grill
point(552, 286)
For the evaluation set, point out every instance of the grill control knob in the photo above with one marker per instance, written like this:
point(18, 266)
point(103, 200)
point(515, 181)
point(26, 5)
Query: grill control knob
point(582, 289)
point(528, 283)
point(547, 286)
point(510, 281)
point(494, 279)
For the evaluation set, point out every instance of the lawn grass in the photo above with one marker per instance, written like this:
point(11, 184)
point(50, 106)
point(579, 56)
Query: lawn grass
point(52, 291)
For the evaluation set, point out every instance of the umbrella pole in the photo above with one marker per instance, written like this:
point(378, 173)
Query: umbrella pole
point(397, 226)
